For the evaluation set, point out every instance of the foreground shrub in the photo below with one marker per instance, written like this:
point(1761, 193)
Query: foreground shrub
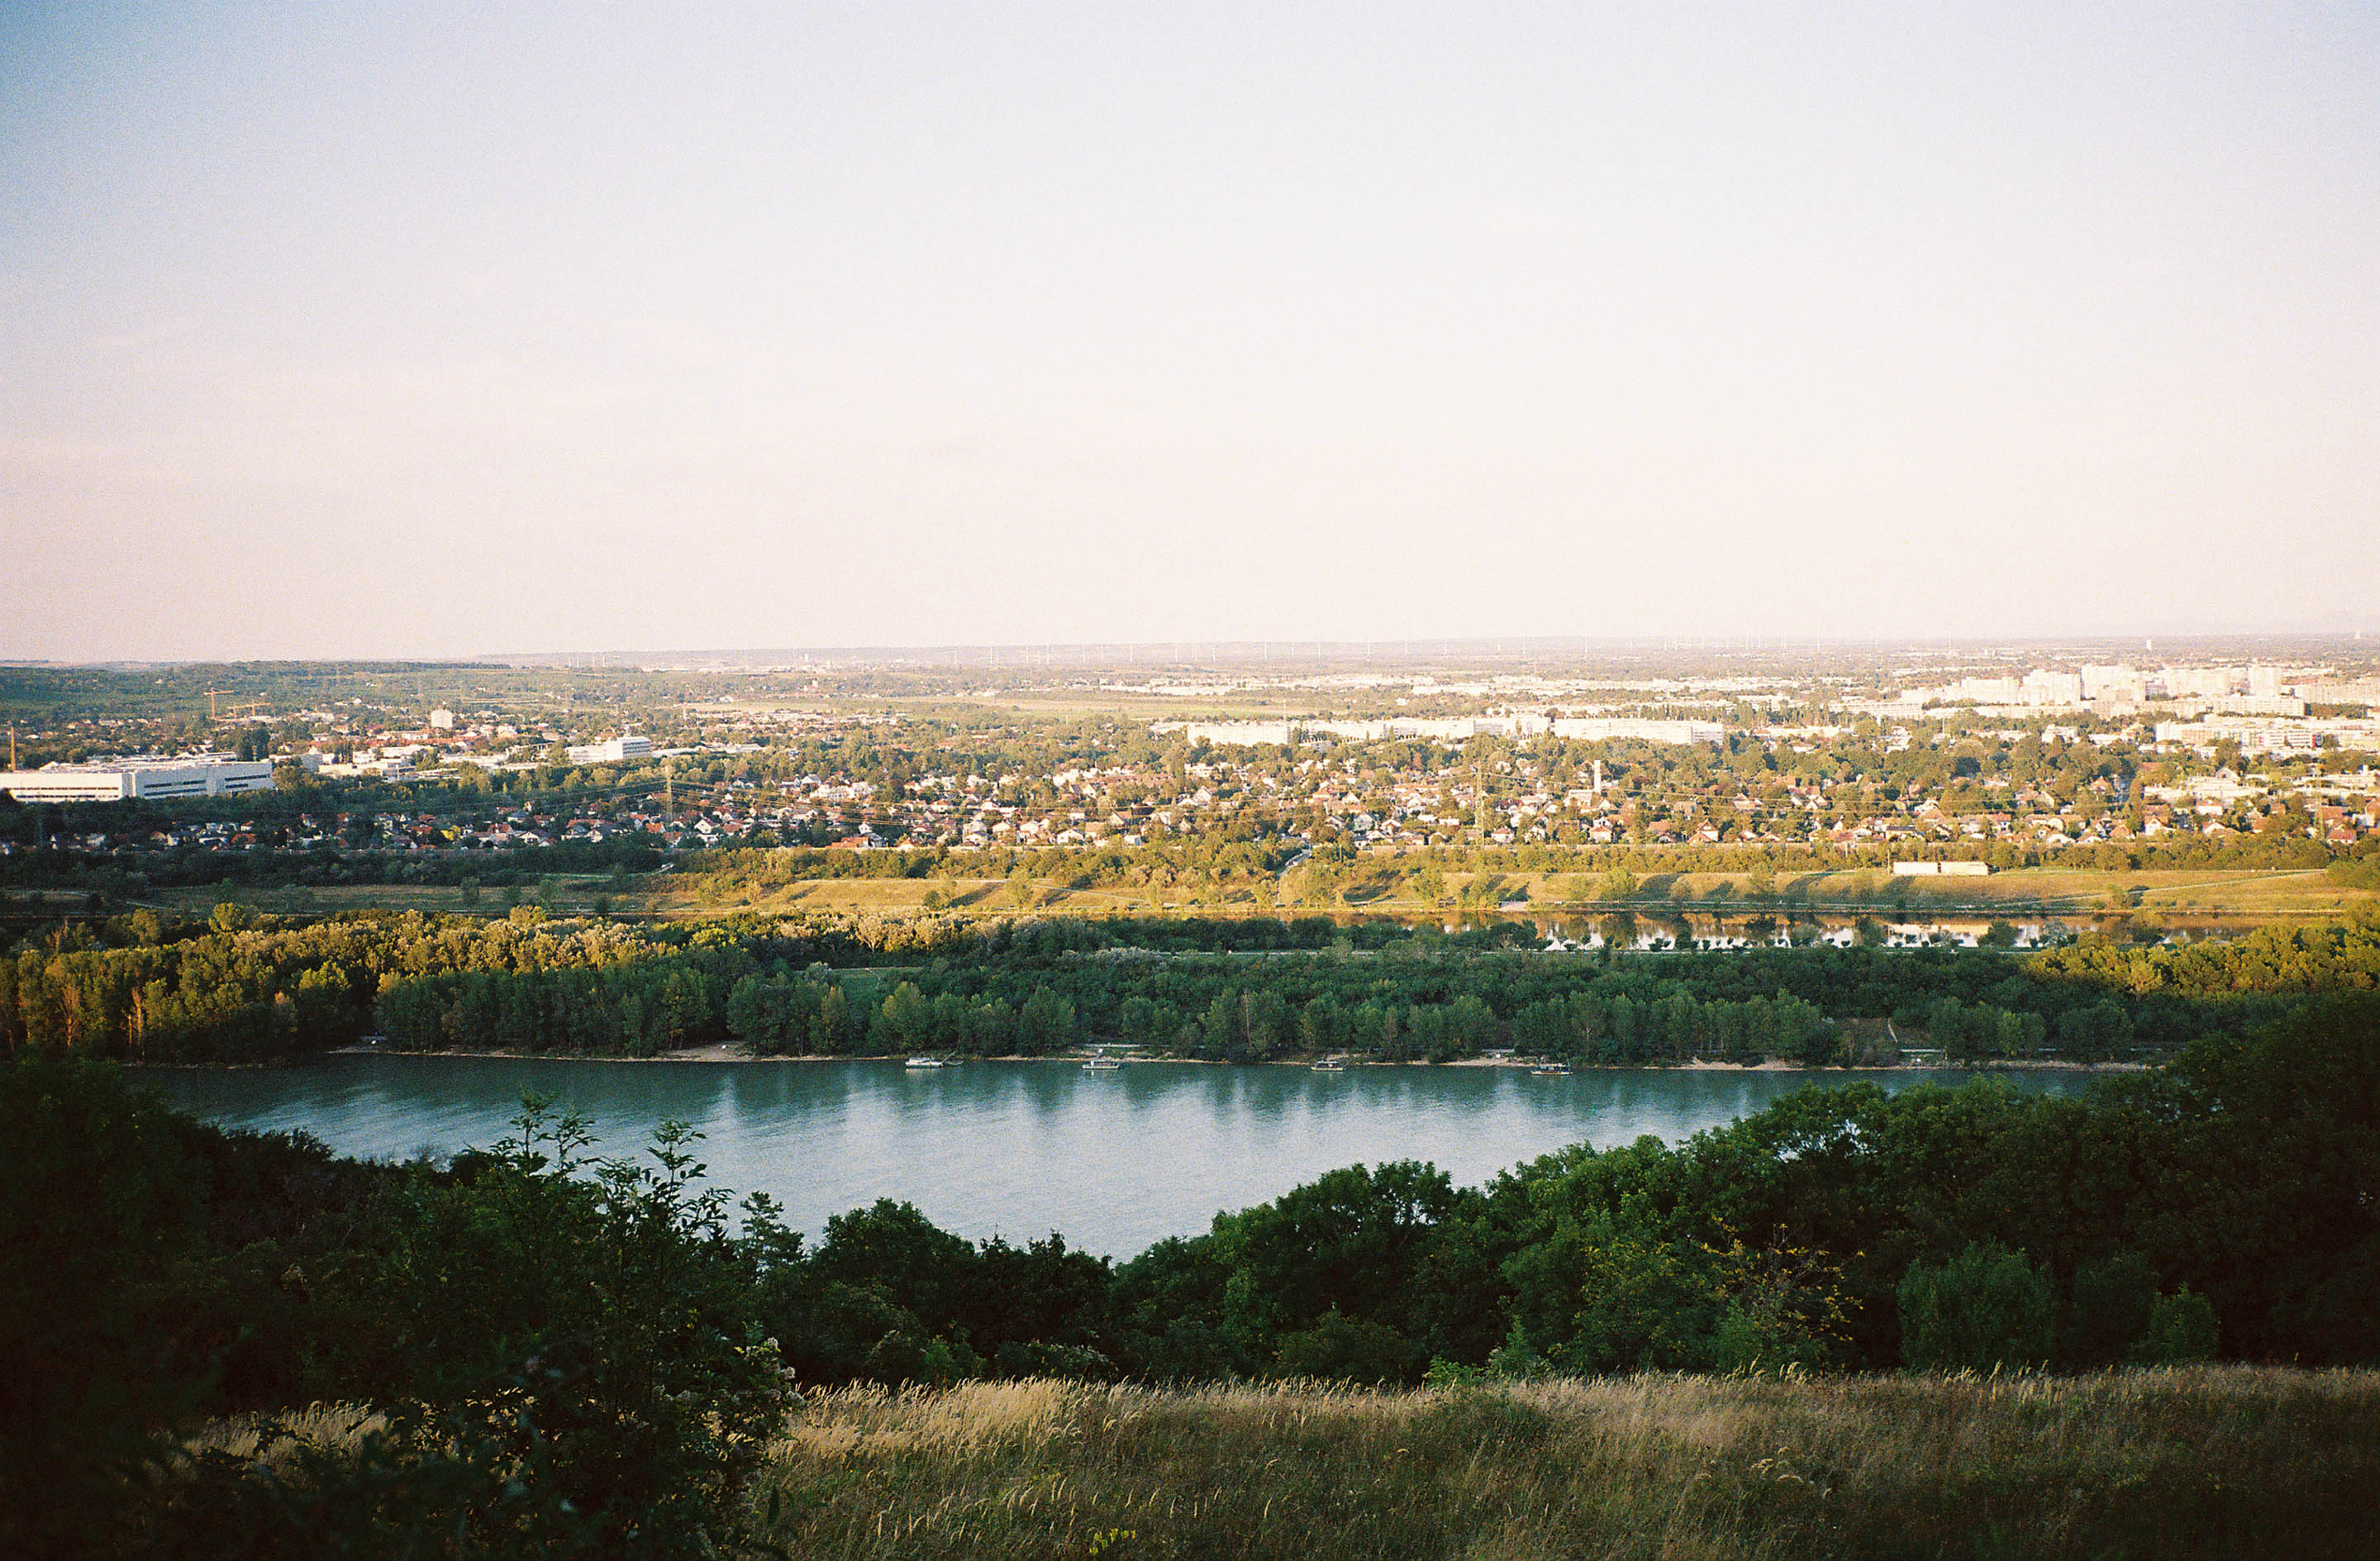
point(2181, 1329)
point(579, 1378)
point(99, 1202)
point(1985, 1308)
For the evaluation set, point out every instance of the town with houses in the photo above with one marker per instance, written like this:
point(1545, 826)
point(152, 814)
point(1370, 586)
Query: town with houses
point(1970, 772)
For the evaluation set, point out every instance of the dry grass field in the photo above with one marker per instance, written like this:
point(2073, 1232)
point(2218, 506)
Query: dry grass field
point(1370, 889)
point(2200, 1461)
point(569, 894)
point(2034, 891)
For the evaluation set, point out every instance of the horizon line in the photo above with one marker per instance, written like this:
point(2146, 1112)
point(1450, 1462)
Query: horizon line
point(1402, 648)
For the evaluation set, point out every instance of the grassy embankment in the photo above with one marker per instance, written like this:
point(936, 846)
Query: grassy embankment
point(2199, 1461)
point(2029, 892)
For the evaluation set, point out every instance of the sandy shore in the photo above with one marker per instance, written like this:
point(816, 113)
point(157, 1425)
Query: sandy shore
point(729, 1054)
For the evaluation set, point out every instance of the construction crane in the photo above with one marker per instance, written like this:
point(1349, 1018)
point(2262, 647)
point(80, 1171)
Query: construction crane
point(234, 712)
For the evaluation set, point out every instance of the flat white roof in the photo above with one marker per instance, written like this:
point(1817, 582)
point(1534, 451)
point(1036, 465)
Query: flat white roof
point(137, 762)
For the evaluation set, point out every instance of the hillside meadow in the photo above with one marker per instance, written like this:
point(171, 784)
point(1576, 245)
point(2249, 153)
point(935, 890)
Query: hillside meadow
point(1372, 888)
point(2194, 1461)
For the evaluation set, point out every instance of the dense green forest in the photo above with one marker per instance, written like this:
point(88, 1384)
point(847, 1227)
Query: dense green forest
point(572, 1357)
point(243, 988)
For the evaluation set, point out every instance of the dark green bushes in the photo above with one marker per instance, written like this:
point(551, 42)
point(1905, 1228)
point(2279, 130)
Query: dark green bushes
point(1987, 1308)
point(101, 1207)
point(1978, 1224)
point(564, 1356)
point(569, 1364)
point(569, 1355)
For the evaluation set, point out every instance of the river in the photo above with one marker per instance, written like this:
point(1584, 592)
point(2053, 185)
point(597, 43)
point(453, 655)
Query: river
point(1114, 1161)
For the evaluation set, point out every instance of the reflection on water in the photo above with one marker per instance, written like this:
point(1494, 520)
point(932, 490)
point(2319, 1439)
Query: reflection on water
point(1115, 1161)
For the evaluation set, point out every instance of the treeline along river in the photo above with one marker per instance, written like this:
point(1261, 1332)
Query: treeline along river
point(1115, 1161)
point(242, 989)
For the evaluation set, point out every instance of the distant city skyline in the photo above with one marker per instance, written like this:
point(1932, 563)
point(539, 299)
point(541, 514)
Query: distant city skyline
point(341, 332)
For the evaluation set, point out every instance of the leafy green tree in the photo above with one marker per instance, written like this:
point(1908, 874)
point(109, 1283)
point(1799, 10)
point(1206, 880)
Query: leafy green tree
point(2109, 1309)
point(1352, 1241)
point(2181, 1328)
point(580, 1372)
point(830, 1029)
point(1048, 1021)
point(907, 1018)
point(1986, 1307)
point(1358, 1349)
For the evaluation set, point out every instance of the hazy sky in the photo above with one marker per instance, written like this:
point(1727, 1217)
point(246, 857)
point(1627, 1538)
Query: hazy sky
point(432, 330)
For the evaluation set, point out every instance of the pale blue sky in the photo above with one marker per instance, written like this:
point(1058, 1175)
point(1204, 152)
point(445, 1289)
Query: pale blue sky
point(431, 330)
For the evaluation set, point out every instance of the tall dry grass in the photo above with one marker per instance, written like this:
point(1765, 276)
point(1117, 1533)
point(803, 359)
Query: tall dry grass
point(2190, 1462)
point(274, 1441)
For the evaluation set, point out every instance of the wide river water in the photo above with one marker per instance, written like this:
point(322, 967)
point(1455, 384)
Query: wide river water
point(1114, 1161)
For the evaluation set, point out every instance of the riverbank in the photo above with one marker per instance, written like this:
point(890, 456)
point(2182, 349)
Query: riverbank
point(1698, 1065)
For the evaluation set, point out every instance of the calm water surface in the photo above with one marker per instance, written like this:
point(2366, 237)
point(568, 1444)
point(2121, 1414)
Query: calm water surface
point(1115, 1160)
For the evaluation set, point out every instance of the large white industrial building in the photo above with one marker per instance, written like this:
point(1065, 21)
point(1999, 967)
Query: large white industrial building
point(185, 775)
point(1455, 729)
point(612, 752)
